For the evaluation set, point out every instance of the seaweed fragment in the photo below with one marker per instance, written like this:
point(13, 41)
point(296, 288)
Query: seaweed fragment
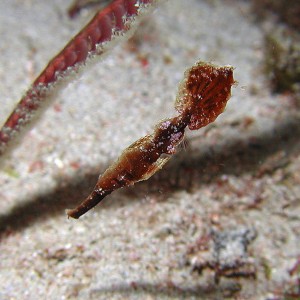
point(202, 97)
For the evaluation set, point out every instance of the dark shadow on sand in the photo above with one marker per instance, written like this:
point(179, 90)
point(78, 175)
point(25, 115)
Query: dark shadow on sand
point(186, 172)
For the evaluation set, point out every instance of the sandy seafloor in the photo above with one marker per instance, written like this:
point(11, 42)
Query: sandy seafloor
point(220, 221)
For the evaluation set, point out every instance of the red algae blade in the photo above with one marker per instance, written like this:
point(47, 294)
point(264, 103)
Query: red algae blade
point(109, 25)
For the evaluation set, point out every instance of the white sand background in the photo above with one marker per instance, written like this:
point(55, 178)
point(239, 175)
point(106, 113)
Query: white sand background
point(234, 183)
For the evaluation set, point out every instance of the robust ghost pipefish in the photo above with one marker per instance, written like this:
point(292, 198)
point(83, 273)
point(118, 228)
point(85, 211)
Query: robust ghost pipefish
point(202, 96)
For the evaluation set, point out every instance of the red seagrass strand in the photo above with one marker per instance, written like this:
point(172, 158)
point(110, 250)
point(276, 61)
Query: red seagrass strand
point(93, 40)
